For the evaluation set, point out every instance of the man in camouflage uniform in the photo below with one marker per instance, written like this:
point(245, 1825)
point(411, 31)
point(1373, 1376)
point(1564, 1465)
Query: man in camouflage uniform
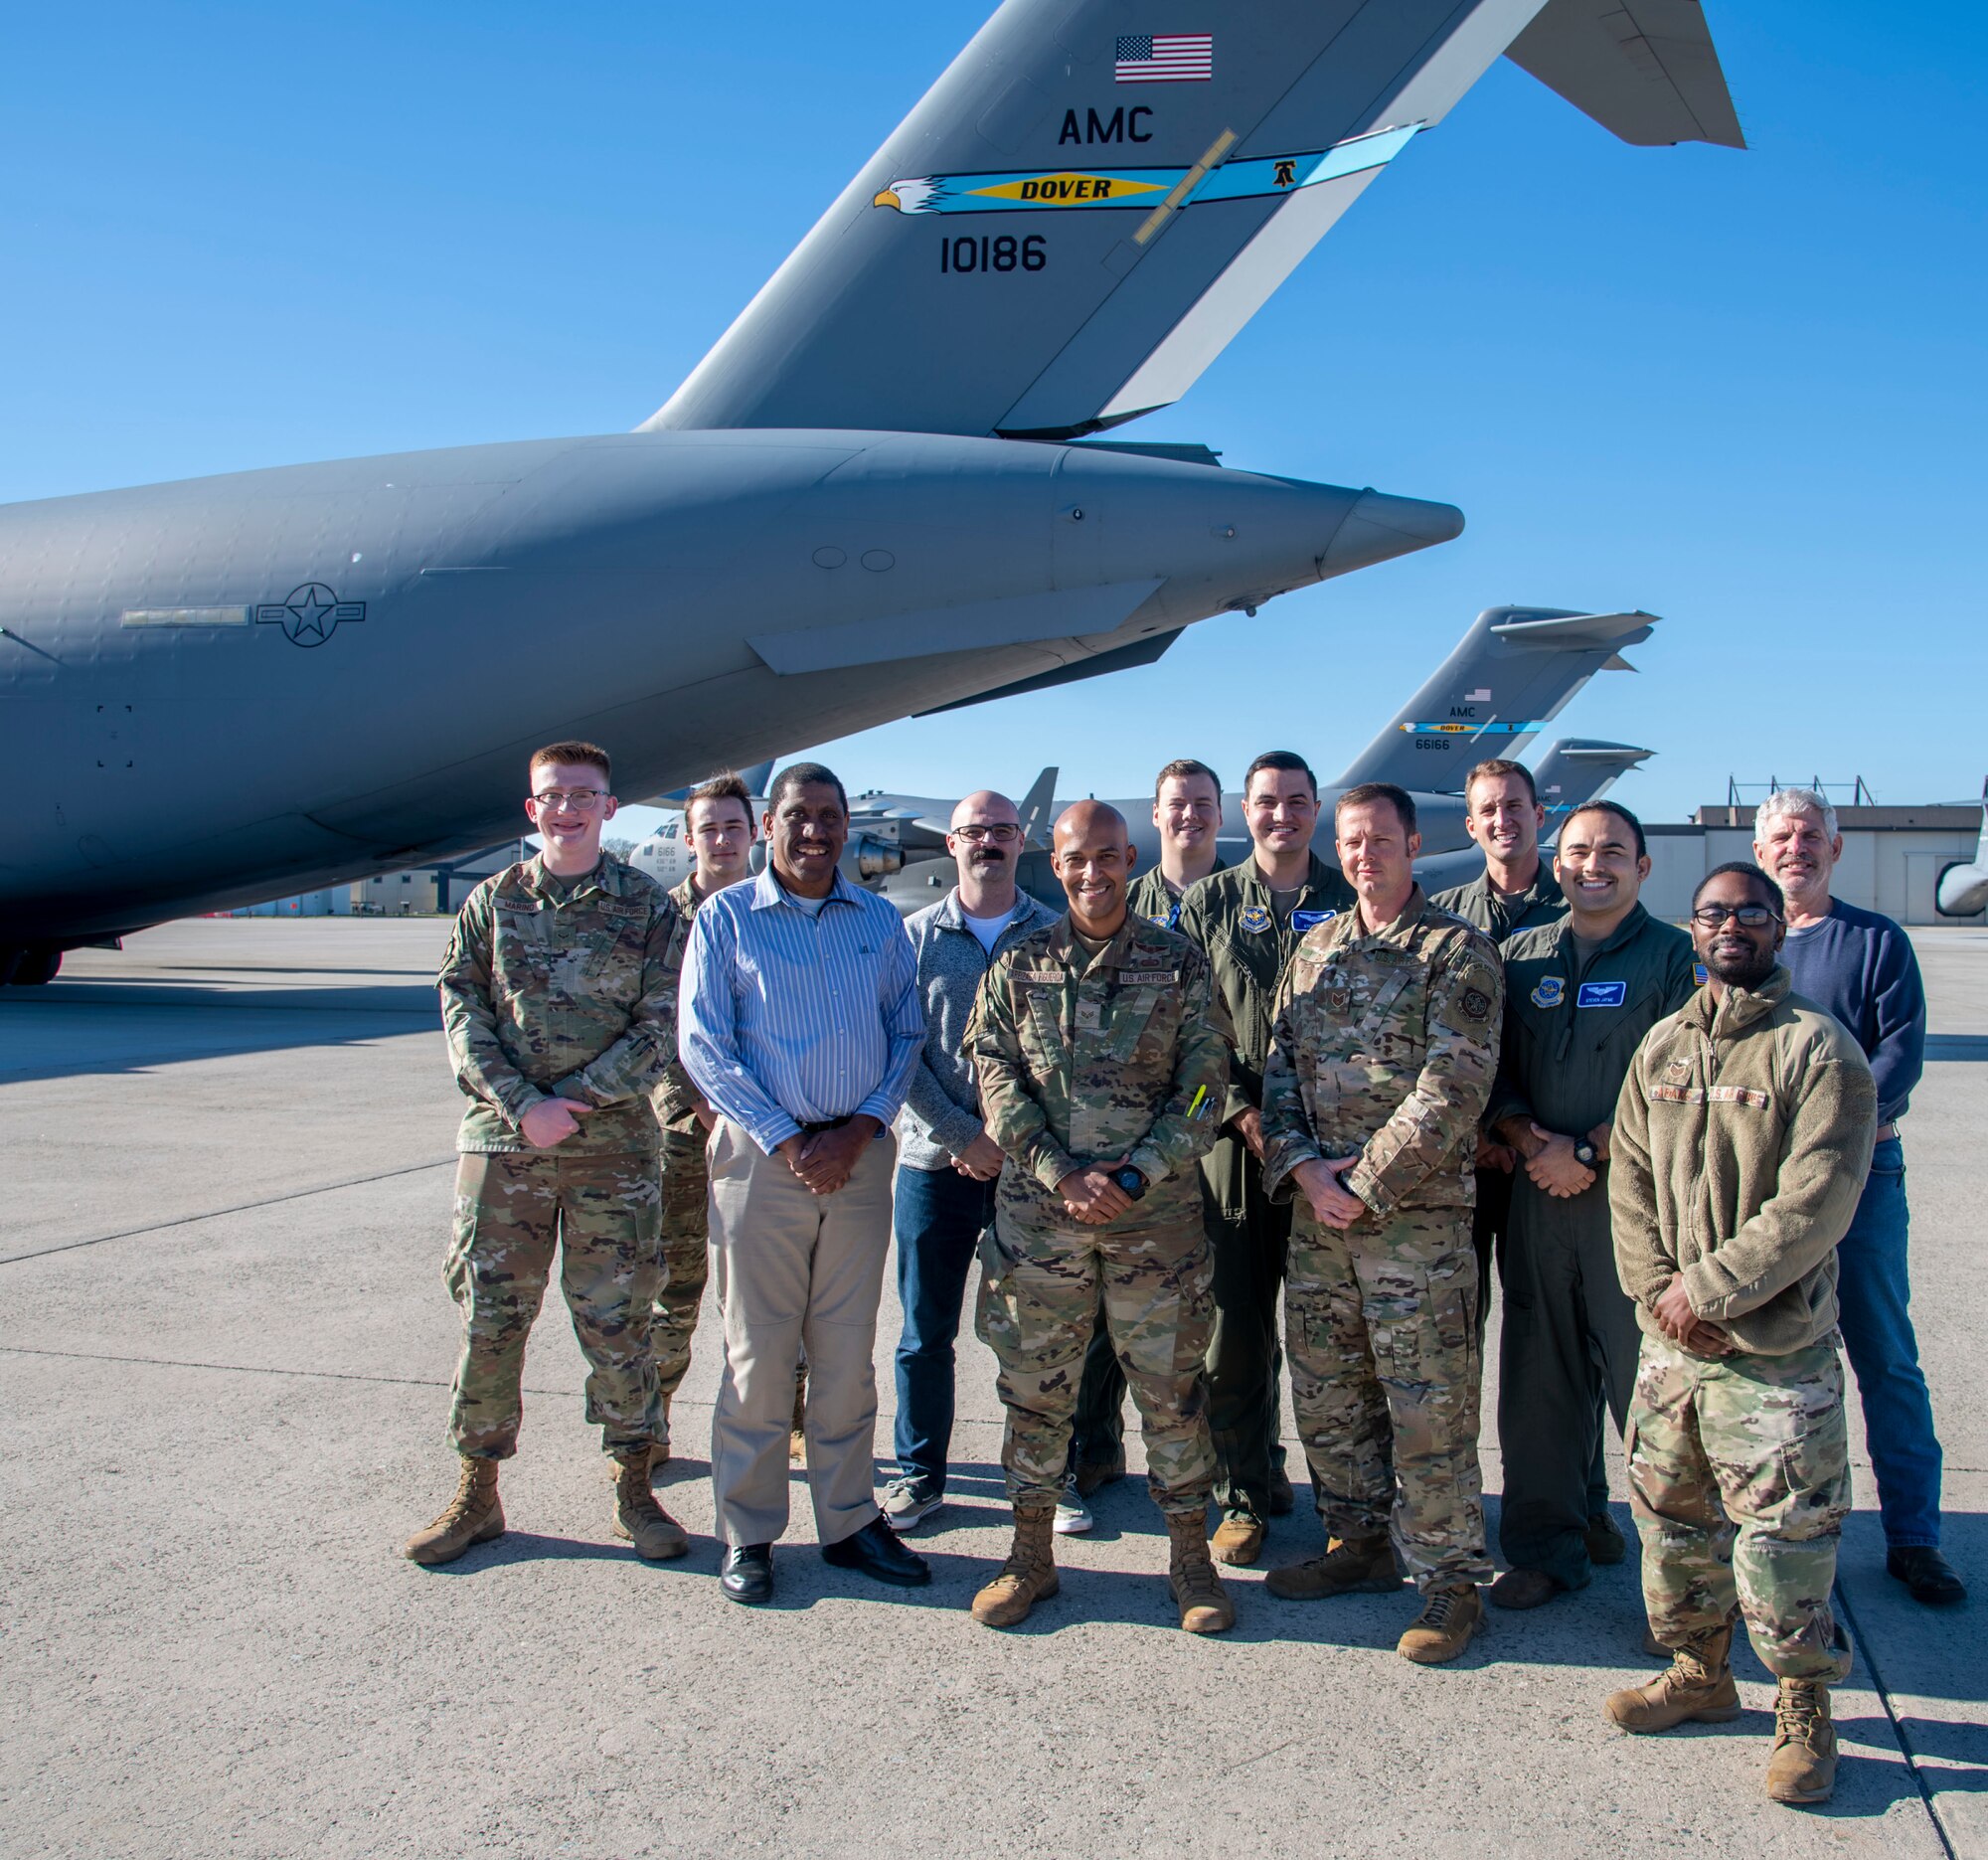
point(1101, 1055)
point(1742, 1141)
point(718, 823)
point(1385, 1046)
point(559, 1008)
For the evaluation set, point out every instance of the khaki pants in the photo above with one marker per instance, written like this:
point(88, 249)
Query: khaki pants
point(791, 1268)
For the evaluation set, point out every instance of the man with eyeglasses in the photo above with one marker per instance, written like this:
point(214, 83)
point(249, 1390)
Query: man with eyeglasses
point(801, 1027)
point(558, 1001)
point(1187, 810)
point(1860, 966)
point(1250, 920)
point(946, 1162)
point(717, 822)
point(1579, 996)
point(1741, 1143)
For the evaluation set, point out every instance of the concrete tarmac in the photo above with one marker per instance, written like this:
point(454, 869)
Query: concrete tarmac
point(224, 1356)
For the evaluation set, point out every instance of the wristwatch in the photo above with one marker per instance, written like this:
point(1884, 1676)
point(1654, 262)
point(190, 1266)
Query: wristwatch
point(1130, 1180)
point(1585, 1153)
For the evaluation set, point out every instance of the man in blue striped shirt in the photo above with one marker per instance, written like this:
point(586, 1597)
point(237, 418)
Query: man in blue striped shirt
point(799, 1021)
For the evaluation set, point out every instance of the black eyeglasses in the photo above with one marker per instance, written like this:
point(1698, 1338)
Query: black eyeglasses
point(1002, 834)
point(1747, 916)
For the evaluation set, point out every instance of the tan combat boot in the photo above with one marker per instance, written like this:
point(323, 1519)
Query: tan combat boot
point(1803, 1766)
point(1350, 1565)
point(473, 1516)
point(637, 1517)
point(1450, 1616)
point(1204, 1607)
point(1028, 1576)
point(1238, 1541)
point(1698, 1684)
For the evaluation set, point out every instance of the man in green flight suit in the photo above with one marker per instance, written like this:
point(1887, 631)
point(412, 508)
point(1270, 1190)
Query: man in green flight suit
point(1579, 996)
point(1101, 1052)
point(560, 1007)
point(1249, 919)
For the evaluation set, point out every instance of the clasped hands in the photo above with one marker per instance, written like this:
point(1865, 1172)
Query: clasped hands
point(1091, 1196)
point(825, 1159)
point(1331, 1200)
point(1679, 1323)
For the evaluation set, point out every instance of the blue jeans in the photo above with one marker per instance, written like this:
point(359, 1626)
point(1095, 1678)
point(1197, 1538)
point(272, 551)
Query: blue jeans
point(1875, 1292)
point(939, 1219)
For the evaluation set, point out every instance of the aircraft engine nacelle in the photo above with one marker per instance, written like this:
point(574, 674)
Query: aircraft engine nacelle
point(867, 857)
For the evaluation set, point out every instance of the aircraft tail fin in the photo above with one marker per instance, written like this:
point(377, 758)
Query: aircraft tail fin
point(1576, 770)
point(1510, 675)
point(1082, 213)
point(1035, 808)
point(1646, 70)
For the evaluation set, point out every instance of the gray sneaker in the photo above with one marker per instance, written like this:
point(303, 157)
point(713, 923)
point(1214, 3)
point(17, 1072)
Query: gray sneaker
point(908, 1502)
point(1073, 1515)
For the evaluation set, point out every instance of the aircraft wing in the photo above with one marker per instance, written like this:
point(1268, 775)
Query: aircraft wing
point(1510, 676)
point(1645, 68)
point(1082, 211)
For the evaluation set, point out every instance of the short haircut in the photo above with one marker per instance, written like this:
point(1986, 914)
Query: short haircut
point(807, 775)
point(1367, 792)
point(1184, 769)
point(576, 755)
point(1795, 801)
point(1497, 767)
point(1621, 812)
point(724, 788)
point(1747, 869)
point(1288, 761)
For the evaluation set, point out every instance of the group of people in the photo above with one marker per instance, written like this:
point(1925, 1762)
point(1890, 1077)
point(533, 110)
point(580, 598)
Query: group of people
point(1147, 1118)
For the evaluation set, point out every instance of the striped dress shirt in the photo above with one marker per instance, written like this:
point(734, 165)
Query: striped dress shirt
point(787, 1019)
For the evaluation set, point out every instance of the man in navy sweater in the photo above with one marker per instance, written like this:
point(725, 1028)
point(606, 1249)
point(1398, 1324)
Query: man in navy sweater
point(1860, 967)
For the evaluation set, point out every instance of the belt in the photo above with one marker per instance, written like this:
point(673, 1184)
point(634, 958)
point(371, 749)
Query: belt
point(833, 1124)
point(1886, 1133)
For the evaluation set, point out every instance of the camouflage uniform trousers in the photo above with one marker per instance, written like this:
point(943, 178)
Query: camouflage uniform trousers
point(1740, 1479)
point(1381, 1332)
point(603, 1214)
point(1045, 1284)
point(685, 1262)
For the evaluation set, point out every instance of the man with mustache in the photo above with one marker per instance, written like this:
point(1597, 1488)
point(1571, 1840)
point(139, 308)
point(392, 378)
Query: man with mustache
point(1102, 1051)
point(1384, 1046)
point(1740, 1142)
point(1579, 996)
point(1860, 967)
point(799, 1023)
point(946, 1161)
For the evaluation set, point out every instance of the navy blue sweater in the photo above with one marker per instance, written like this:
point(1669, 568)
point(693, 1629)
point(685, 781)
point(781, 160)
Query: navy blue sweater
point(1860, 967)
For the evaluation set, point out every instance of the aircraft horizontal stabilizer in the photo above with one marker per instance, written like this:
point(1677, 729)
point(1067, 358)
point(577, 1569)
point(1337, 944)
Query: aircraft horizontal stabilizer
point(1576, 770)
point(1646, 70)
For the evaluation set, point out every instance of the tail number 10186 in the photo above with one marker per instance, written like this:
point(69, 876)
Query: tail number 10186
point(1003, 252)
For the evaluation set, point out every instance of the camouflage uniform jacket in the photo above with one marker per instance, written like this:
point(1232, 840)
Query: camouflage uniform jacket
point(1741, 1142)
point(1125, 1059)
point(1385, 1045)
point(673, 1095)
point(569, 996)
point(1499, 916)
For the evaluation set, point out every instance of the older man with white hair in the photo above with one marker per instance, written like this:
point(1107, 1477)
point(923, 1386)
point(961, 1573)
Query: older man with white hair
point(1860, 967)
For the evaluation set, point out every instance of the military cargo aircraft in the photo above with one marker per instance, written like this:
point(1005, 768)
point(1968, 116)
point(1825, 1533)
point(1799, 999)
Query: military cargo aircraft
point(1963, 886)
point(874, 496)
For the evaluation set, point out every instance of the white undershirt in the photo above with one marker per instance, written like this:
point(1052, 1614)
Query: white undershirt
point(987, 930)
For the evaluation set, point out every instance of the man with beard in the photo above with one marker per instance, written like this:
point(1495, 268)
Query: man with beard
point(1860, 967)
point(801, 1025)
point(1742, 1141)
point(946, 1161)
point(1102, 1051)
point(1249, 919)
point(1579, 996)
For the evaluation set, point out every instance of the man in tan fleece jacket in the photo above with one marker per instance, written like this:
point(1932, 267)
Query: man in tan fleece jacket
point(1741, 1140)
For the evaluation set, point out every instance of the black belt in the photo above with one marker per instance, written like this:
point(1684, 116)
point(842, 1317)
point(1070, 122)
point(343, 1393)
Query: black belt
point(834, 1124)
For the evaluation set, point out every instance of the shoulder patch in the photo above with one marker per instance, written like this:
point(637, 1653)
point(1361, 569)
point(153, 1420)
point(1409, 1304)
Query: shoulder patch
point(1476, 1004)
point(1551, 992)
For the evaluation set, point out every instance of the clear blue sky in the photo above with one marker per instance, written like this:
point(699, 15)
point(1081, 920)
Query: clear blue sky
point(1742, 391)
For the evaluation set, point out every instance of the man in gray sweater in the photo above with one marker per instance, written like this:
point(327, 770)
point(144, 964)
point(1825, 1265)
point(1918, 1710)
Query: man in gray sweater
point(1741, 1140)
point(946, 1162)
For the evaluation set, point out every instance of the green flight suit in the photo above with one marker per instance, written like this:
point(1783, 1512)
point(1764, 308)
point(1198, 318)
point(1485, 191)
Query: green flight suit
point(1231, 916)
point(1499, 916)
point(1573, 1023)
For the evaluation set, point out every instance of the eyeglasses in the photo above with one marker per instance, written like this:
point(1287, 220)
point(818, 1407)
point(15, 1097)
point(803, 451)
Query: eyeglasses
point(579, 801)
point(1002, 835)
point(1747, 916)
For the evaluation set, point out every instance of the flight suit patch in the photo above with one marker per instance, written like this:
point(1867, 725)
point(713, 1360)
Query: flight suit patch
point(1254, 919)
point(1601, 994)
point(1551, 990)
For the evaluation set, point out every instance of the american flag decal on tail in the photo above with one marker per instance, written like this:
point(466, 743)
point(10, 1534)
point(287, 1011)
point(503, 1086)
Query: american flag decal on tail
point(1165, 58)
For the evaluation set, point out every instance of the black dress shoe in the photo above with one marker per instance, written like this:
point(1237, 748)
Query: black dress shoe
point(875, 1551)
point(1927, 1574)
point(746, 1574)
